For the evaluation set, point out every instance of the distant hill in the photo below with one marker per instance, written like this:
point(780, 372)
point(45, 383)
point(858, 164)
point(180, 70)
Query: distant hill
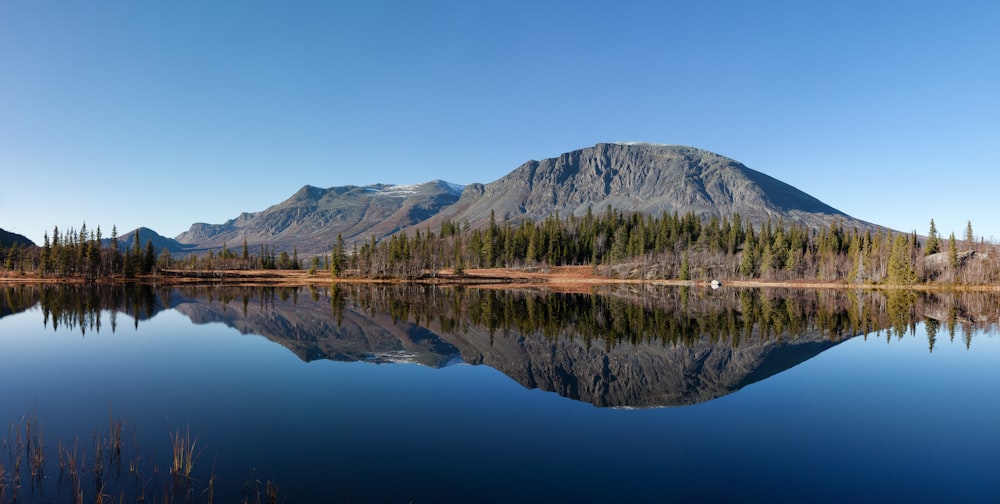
point(639, 177)
point(7, 239)
point(125, 242)
point(311, 219)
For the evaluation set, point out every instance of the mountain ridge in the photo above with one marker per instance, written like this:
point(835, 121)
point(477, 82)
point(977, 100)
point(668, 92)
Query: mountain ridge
point(311, 219)
point(639, 177)
point(627, 176)
point(8, 238)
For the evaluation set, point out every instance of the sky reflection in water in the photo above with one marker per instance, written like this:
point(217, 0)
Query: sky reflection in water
point(868, 419)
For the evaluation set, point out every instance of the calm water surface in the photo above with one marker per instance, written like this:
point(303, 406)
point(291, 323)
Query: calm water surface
point(420, 395)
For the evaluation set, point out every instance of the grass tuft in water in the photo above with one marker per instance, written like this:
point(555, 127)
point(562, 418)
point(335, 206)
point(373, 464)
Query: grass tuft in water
point(114, 471)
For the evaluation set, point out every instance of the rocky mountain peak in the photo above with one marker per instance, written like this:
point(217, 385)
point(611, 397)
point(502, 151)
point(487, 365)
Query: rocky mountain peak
point(627, 176)
point(640, 177)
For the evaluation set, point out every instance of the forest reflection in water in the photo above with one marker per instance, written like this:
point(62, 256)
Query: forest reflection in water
point(635, 346)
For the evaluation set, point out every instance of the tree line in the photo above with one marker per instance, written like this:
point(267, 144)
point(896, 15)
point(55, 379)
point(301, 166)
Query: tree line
point(613, 243)
point(82, 253)
point(87, 254)
point(680, 246)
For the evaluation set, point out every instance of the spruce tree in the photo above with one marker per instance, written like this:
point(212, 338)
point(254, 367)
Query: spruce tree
point(952, 251)
point(148, 258)
point(748, 263)
point(900, 263)
point(933, 242)
point(338, 258)
point(685, 267)
point(45, 256)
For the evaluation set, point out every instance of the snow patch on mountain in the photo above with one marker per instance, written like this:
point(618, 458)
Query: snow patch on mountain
point(405, 190)
point(398, 191)
point(455, 188)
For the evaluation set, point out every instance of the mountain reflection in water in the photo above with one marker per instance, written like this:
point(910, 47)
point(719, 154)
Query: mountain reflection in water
point(636, 346)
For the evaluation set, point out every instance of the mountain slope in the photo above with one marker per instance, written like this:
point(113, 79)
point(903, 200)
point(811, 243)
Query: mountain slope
point(630, 177)
point(7, 239)
point(160, 242)
point(647, 178)
point(311, 219)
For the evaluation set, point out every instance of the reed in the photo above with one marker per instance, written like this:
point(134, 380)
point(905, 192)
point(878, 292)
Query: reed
point(110, 470)
point(255, 494)
point(37, 461)
point(115, 426)
point(184, 454)
point(98, 468)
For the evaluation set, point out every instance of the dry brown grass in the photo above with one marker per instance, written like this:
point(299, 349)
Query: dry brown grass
point(569, 279)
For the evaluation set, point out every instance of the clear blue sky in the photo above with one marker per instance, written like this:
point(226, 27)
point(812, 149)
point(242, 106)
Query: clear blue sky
point(162, 114)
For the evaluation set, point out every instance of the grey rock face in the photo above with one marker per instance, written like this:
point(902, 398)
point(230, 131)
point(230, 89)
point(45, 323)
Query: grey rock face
point(646, 178)
point(311, 219)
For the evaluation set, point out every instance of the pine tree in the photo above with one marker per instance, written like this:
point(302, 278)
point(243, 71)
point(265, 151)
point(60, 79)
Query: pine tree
point(338, 258)
point(12, 257)
point(685, 267)
point(900, 264)
point(952, 251)
point(748, 263)
point(114, 252)
point(45, 256)
point(148, 258)
point(855, 256)
point(933, 241)
point(165, 261)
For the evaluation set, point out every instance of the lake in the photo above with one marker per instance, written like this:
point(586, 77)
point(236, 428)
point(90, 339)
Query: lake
point(438, 395)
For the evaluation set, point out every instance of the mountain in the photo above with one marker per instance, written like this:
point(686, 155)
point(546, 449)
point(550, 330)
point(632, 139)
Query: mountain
point(7, 239)
point(311, 219)
point(631, 177)
point(126, 241)
point(639, 177)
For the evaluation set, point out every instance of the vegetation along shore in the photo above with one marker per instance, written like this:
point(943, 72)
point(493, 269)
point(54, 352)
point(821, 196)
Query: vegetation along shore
point(607, 248)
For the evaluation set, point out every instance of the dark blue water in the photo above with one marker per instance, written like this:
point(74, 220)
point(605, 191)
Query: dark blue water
point(875, 418)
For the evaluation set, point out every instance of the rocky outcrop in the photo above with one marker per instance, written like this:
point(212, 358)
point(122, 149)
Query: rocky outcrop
point(647, 178)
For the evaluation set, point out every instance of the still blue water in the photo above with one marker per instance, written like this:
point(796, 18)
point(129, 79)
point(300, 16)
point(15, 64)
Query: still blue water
point(875, 418)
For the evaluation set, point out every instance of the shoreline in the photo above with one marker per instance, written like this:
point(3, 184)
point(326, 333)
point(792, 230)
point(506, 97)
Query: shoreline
point(556, 279)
